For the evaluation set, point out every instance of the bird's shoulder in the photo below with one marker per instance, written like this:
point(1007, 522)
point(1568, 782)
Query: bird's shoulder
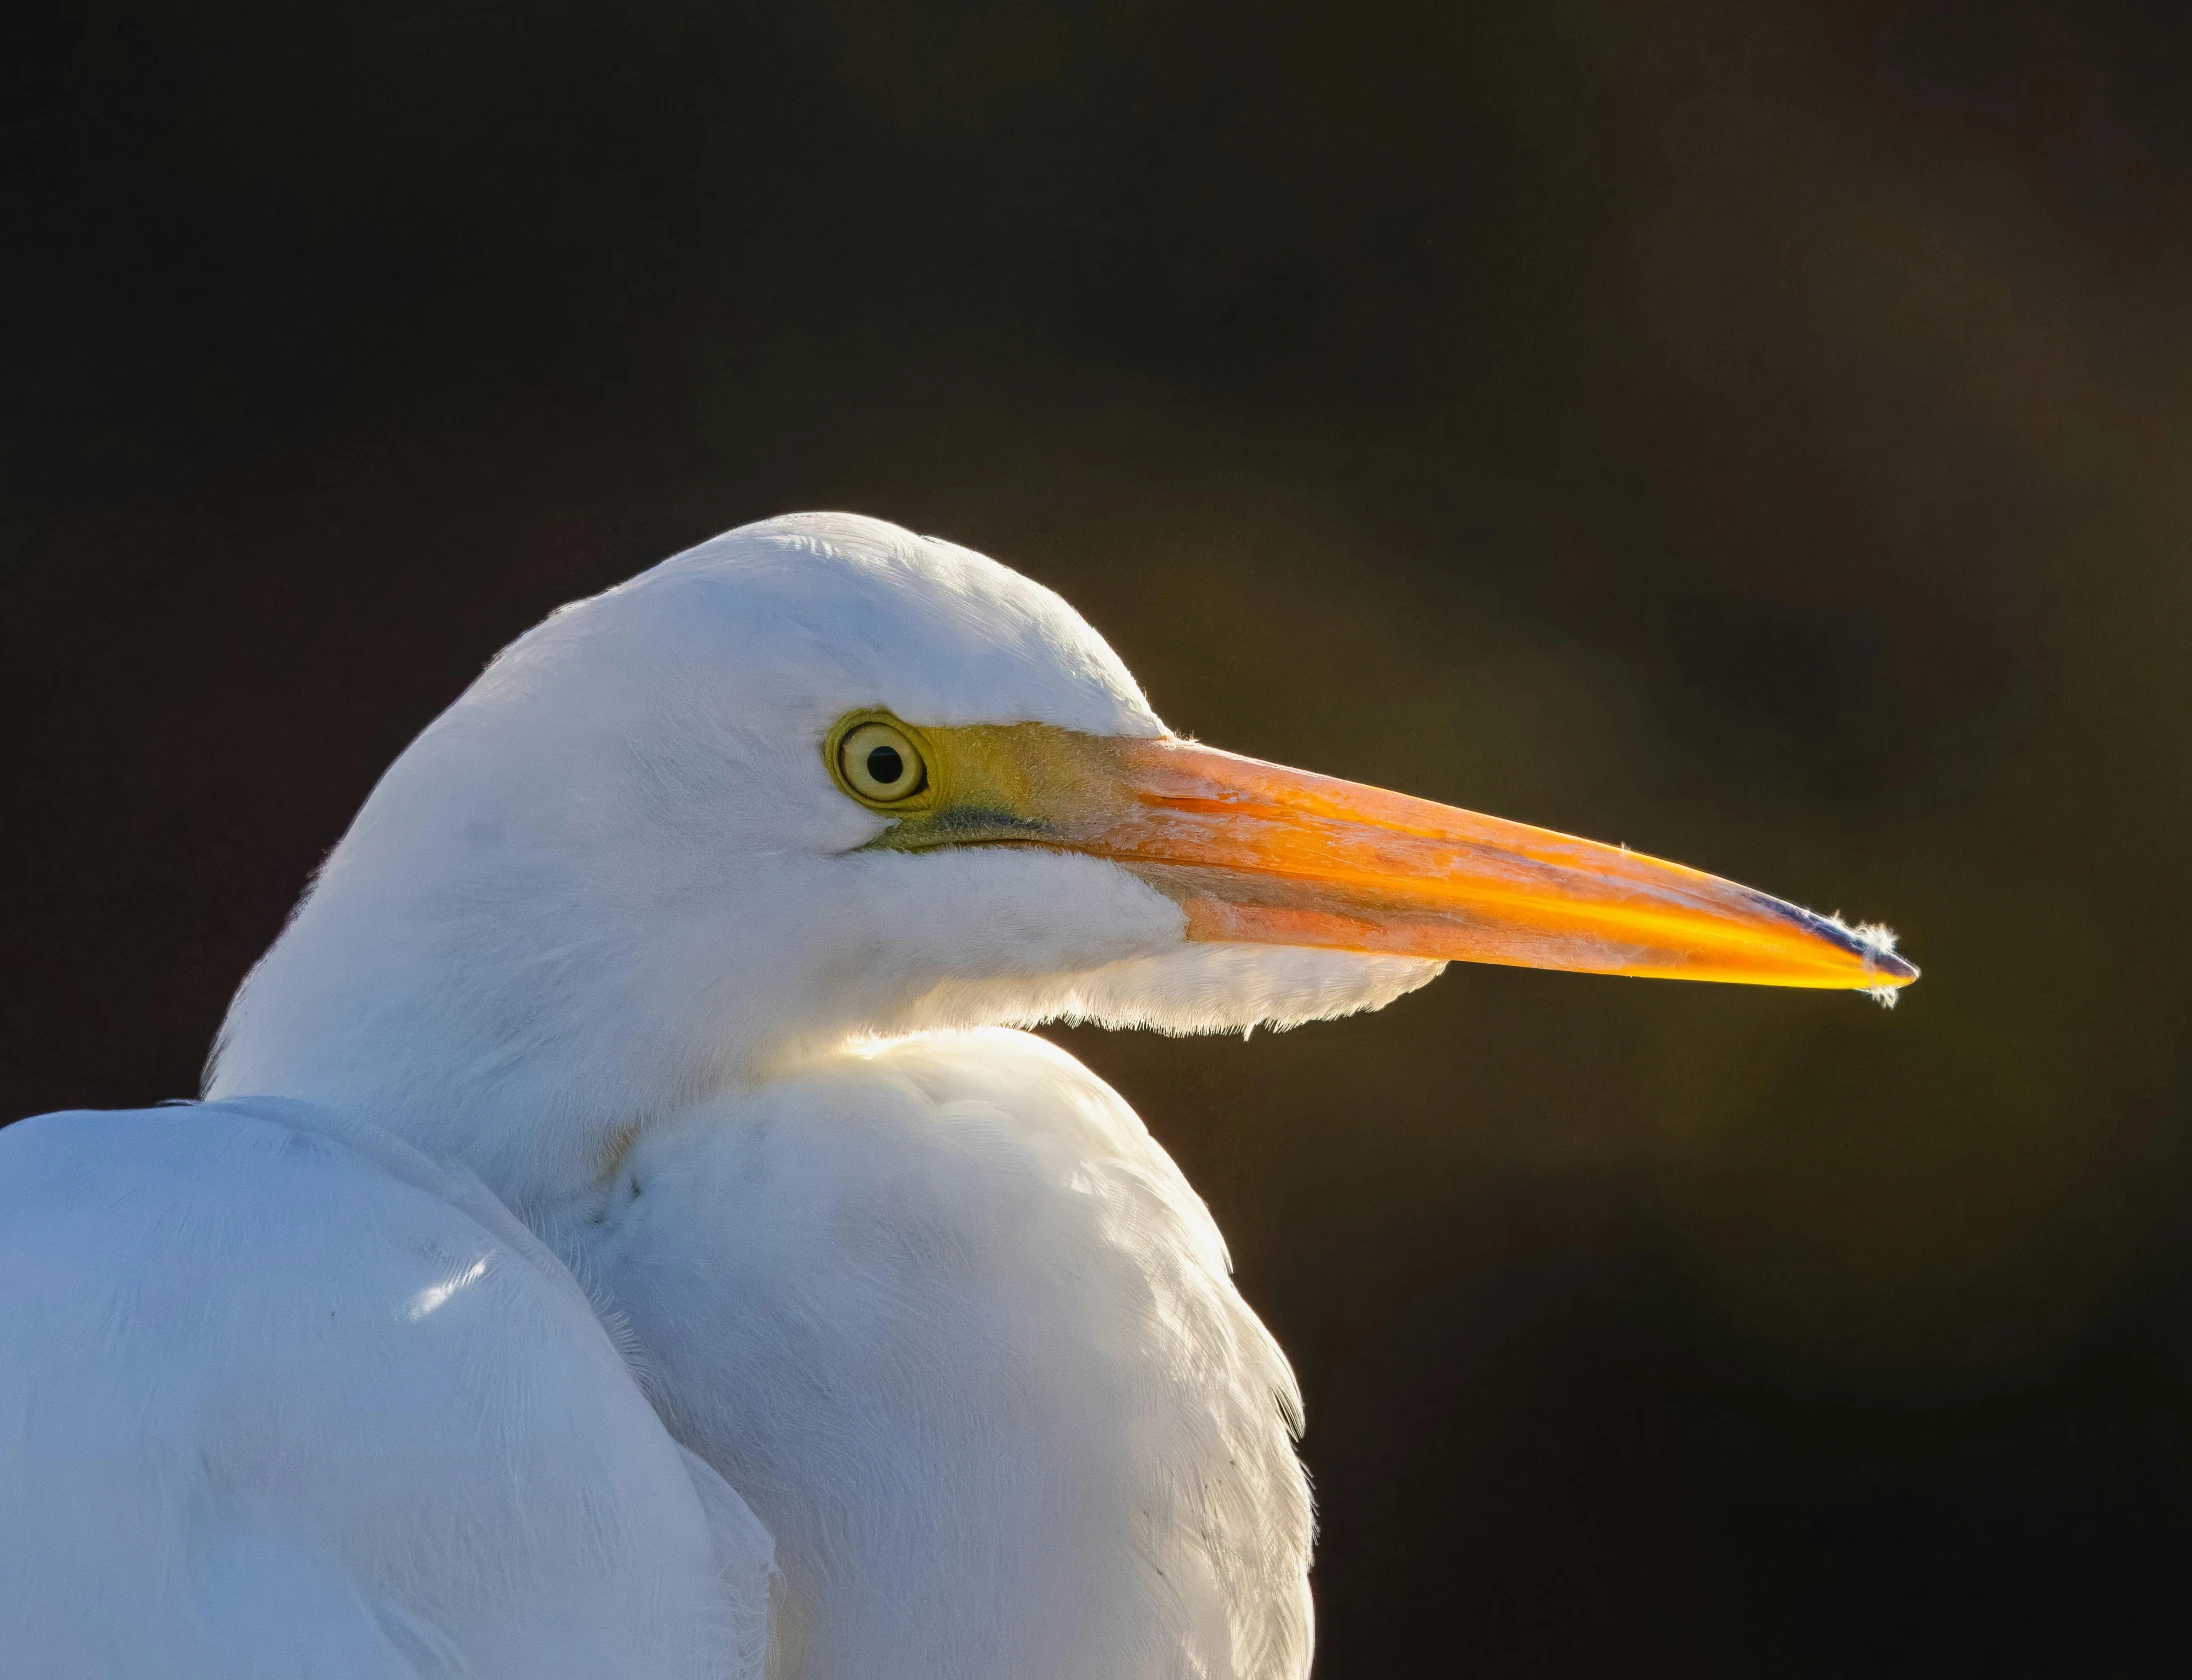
point(962, 1262)
point(280, 1394)
point(997, 1137)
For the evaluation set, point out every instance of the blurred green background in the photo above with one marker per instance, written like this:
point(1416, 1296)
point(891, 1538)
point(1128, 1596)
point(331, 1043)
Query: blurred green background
point(1753, 432)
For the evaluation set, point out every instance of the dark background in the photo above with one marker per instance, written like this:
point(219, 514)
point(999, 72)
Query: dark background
point(1755, 432)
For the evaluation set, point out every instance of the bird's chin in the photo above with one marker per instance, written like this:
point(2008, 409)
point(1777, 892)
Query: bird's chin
point(1196, 988)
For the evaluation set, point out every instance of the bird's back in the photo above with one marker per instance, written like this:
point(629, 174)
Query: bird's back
point(278, 1396)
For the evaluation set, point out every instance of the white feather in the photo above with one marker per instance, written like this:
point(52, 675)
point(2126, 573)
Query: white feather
point(926, 1295)
point(281, 1397)
point(960, 1331)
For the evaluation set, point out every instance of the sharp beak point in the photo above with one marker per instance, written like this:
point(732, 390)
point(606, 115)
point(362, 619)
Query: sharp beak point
point(1258, 853)
point(1867, 943)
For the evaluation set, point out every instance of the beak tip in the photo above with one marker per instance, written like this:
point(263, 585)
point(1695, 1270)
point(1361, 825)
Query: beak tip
point(1894, 970)
point(1869, 942)
point(1876, 946)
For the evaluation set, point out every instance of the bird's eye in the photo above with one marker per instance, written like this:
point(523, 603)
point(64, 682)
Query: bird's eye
point(880, 764)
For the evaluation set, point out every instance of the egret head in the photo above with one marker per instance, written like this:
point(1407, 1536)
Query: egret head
point(821, 779)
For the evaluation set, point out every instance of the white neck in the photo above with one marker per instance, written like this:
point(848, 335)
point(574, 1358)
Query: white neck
point(527, 1001)
point(616, 879)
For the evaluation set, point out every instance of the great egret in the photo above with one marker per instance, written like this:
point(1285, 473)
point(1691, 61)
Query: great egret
point(626, 1234)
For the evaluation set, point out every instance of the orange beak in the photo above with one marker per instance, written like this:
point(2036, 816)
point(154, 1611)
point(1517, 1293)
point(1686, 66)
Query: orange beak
point(1258, 853)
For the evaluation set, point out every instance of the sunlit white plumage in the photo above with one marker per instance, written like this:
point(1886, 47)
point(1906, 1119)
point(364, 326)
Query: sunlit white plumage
point(283, 1397)
point(896, 1346)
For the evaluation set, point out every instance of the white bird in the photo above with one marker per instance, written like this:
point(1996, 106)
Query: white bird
point(628, 1231)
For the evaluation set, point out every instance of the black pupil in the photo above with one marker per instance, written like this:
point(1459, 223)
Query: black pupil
point(885, 765)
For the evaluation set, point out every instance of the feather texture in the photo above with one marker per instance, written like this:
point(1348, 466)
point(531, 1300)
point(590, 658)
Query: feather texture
point(957, 1327)
point(608, 952)
point(282, 1397)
